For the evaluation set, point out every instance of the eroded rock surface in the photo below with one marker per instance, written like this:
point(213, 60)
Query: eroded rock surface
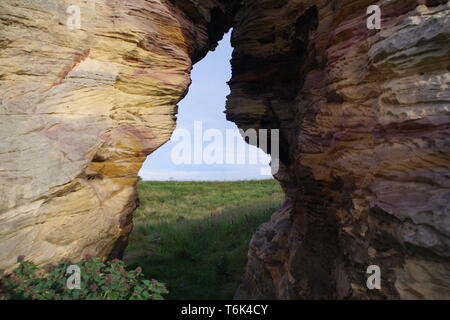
point(364, 118)
point(365, 146)
point(81, 109)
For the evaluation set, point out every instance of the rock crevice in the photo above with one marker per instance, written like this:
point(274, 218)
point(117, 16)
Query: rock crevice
point(365, 124)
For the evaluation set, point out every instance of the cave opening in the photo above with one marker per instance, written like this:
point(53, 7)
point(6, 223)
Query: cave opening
point(202, 147)
point(195, 219)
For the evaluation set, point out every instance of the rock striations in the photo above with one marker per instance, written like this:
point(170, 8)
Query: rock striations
point(365, 146)
point(80, 109)
point(363, 117)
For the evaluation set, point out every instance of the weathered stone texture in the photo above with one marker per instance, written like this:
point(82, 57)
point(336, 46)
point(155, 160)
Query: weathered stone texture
point(364, 118)
point(81, 109)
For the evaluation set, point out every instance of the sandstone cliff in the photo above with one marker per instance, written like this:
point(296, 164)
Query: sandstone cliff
point(80, 109)
point(364, 118)
point(365, 146)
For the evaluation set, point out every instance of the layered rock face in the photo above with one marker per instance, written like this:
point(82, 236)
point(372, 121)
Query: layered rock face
point(80, 109)
point(364, 119)
point(365, 146)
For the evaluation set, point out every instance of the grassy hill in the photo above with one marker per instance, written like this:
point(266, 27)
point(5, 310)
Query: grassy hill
point(194, 236)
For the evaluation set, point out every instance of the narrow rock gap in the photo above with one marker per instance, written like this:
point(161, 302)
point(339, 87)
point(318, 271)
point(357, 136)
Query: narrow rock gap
point(204, 102)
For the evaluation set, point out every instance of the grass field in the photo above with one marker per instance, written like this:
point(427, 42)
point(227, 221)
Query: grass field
point(194, 236)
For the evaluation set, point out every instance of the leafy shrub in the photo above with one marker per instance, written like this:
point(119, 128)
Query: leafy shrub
point(99, 281)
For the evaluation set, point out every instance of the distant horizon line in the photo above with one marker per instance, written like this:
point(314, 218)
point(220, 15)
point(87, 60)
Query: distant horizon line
point(239, 180)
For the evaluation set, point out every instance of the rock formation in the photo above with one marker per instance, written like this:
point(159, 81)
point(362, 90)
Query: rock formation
point(364, 119)
point(365, 146)
point(80, 109)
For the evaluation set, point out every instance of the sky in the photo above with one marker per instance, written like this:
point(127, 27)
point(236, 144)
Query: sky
point(206, 102)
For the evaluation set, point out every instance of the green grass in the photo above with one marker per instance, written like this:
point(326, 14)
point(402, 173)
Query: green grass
point(194, 236)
